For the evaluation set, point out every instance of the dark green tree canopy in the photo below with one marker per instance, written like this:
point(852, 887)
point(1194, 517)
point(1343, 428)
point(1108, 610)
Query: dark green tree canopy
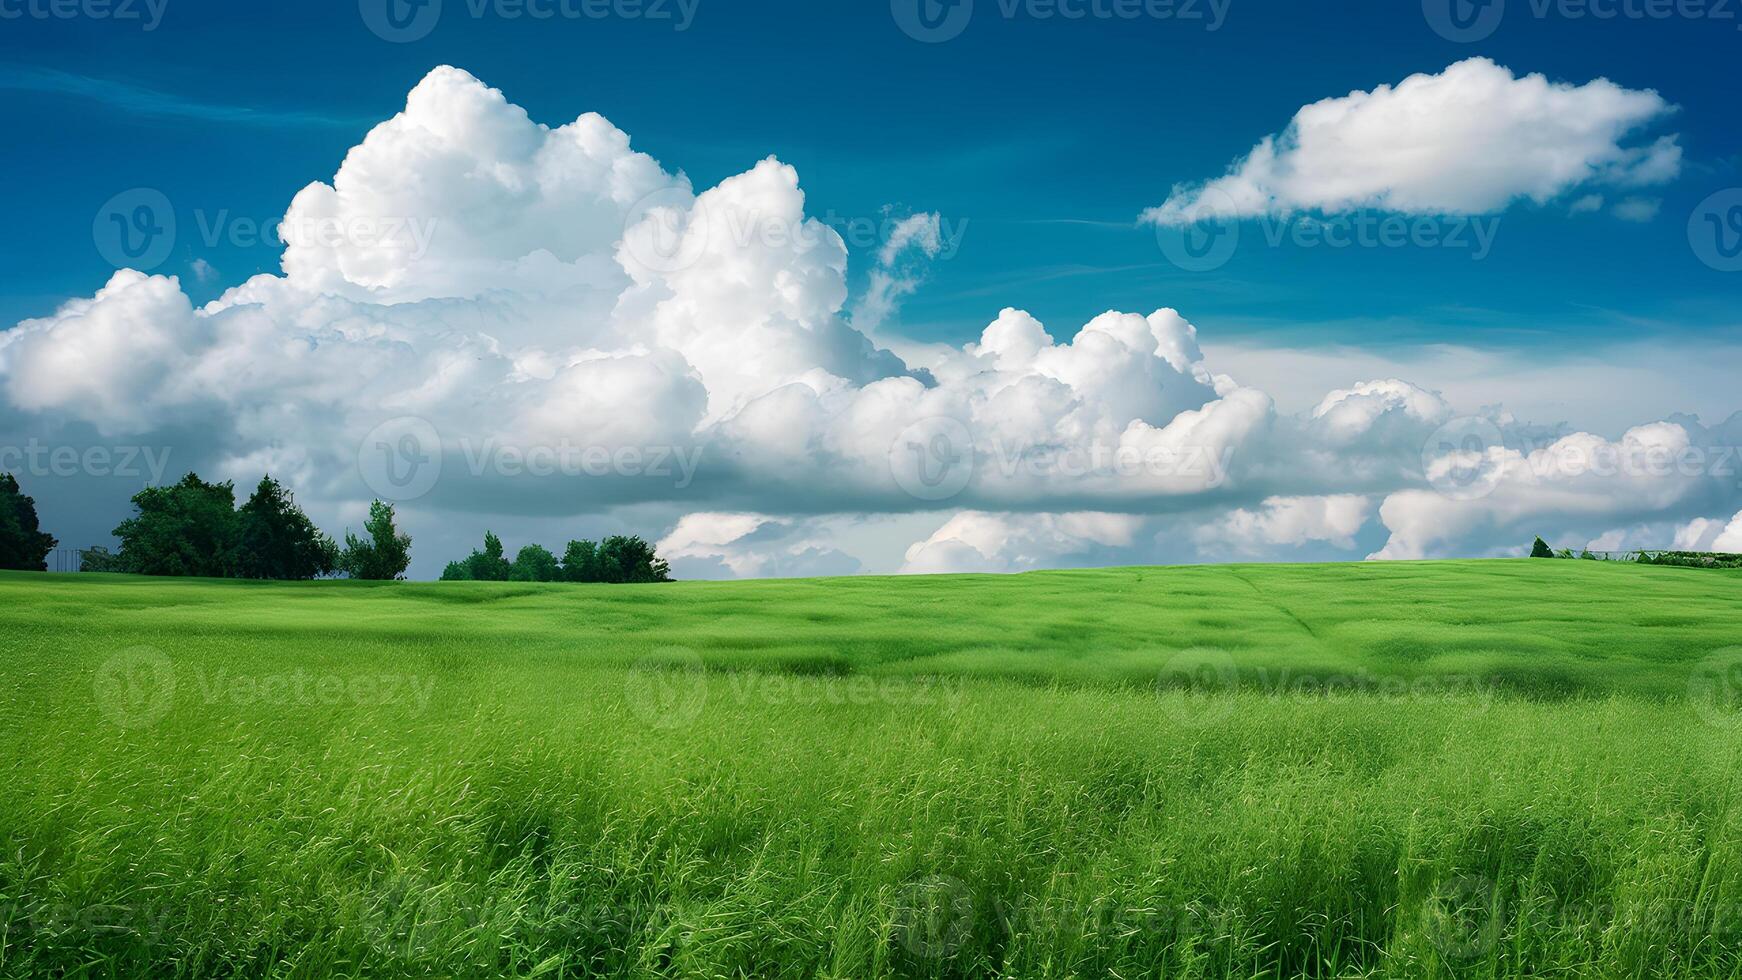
point(1541, 550)
point(190, 528)
point(616, 560)
point(384, 555)
point(278, 541)
point(481, 566)
point(535, 563)
point(23, 546)
point(630, 560)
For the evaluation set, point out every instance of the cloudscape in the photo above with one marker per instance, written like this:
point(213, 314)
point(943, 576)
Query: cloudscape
point(888, 490)
point(481, 313)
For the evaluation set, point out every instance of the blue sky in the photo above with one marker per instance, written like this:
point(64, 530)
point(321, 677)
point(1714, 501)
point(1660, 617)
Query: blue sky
point(1041, 140)
point(1030, 144)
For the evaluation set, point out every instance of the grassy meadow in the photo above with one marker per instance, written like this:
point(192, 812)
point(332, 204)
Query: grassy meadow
point(1460, 769)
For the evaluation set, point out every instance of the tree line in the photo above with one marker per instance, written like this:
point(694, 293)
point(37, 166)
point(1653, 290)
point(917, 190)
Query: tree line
point(194, 528)
point(617, 560)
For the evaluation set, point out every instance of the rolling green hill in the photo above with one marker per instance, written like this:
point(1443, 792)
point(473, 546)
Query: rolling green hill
point(1438, 769)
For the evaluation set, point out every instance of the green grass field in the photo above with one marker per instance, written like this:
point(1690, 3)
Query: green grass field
point(1482, 769)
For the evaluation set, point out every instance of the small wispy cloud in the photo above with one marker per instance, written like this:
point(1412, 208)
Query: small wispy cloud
point(137, 99)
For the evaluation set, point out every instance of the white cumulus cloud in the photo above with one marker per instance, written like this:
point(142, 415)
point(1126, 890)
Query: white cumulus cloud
point(1472, 139)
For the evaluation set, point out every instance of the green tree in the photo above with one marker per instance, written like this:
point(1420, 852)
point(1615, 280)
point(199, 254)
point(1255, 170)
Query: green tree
point(535, 563)
point(278, 541)
point(23, 546)
point(581, 562)
point(381, 557)
point(630, 560)
point(488, 565)
point(1541, 550)
point(186, 529)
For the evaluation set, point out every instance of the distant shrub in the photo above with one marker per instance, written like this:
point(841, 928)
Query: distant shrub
point(1690, 559)
point(100, 559)
point(1541, 550)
